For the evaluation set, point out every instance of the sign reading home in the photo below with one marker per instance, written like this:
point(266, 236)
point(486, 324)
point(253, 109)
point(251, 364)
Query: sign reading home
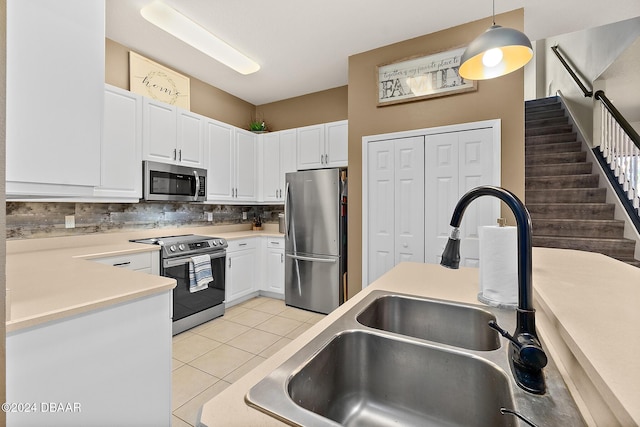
point(423, 77)
point(152, 80)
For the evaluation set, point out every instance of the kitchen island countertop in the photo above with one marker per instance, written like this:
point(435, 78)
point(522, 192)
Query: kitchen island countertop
point(591, 300)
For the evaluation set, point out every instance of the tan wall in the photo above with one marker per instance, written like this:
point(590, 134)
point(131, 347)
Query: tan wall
point(319, 107)
point(501, 98)
point(205, 99)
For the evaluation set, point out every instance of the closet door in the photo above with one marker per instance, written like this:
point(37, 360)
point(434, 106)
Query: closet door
point(395, 191)
point(455, 163)
point(409, 199)
point(380, 188)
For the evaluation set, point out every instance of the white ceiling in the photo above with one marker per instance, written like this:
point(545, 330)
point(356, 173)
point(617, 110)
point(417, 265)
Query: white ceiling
point(304, 46)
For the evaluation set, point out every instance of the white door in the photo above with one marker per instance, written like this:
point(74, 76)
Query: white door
point(476, 166)
point(271, 166)
point(455, 163)
point(190, 139)
point(246, 166)
point(311, 147)
point(240, 274)
point(220, 161)
point(441, 191)
point(409, 199)
point(121, 148)
point(337, 143)
point(159, 131)
point(288, 159)
point(380, 209)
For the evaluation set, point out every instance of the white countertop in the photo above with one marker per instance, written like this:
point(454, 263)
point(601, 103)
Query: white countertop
point(50, 279)
point(594, 300)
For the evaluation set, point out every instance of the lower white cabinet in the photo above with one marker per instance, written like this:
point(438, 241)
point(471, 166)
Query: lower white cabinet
point(242, 267)
point(144, 262)
point(274, 266)
point(110, 366)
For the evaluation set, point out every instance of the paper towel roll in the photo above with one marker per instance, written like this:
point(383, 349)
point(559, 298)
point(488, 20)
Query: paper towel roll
point(498, 251)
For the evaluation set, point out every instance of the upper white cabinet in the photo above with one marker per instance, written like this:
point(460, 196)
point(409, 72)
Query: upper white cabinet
point(55, 84)
point(322, 146)
point(231, 163)
point(278, 158)
point(121, 147)
point(171, 134)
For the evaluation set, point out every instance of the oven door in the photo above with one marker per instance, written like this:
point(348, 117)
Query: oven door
point(186, 303)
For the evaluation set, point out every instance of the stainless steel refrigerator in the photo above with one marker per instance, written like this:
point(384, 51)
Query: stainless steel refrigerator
point(315, 239)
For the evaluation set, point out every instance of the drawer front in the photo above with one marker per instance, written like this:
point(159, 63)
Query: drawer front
point(275, 242)
point(241, 244)
point(131, 261)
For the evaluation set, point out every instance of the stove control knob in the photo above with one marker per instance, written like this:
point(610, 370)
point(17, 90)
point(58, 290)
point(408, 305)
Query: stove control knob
point(181, 247)
point(214, 242)
point(172, 248)
point(220, 242)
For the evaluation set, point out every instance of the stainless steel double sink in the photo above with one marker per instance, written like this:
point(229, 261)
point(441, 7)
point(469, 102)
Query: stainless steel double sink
point(400, 360)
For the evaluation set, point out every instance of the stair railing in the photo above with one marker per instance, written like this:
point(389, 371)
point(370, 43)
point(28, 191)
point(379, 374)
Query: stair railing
point(619, 150)
point(587, 93)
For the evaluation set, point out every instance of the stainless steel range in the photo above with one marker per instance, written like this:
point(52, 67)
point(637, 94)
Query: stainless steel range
point(192, 308)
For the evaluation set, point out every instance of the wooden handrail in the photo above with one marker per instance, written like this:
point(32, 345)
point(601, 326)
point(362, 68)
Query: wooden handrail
point(574, 76)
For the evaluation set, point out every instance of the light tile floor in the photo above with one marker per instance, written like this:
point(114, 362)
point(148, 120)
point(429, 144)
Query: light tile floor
point(209, 357)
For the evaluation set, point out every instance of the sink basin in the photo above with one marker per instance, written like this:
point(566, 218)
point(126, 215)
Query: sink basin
point(364, 379)
point(447, 323)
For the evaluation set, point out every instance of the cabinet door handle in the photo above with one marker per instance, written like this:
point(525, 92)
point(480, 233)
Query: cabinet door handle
point(180, 155)
point(242, 244)
point(175, 156)
point(122, 264)
point(229, 262)
point(326, 159)
point(281, 258)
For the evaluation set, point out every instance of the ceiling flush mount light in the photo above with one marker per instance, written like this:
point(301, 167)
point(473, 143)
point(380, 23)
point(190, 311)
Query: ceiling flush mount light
point(183, 28)
point(496, 52)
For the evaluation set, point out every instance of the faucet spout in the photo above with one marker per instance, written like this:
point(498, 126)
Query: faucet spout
point(527, 356)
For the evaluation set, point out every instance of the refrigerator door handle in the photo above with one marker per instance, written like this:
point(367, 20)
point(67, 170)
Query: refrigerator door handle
point(308, 258)
point(287, 211)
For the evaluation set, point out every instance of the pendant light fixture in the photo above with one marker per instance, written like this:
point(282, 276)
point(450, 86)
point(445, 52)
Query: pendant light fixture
point(496, 52)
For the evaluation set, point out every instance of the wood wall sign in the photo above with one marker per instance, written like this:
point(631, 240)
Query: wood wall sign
point(150, 79)
point(423, 77)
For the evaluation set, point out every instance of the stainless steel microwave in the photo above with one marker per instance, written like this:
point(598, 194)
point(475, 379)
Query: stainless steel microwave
point(175, 183)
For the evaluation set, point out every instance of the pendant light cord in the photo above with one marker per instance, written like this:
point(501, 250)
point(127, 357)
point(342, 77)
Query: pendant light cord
point(494, 12)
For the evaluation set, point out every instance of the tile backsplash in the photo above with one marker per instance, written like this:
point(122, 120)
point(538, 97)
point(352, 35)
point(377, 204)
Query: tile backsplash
point(27, 220)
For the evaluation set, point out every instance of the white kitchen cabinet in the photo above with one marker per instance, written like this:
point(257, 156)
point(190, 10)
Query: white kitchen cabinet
point(278, 158)
point(96, 362)
point(243, 263)
point(121, 147)
point(322, 146)
point(232, 162)
point(171, 135)
point(274, 264)
point(55, 83)
point(246, 163)
point(395, 195)
point(144, 262)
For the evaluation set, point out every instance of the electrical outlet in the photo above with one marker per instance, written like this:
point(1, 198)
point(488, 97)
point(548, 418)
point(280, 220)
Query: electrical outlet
point(244, 215)
point(70, 221)
point(209, 216)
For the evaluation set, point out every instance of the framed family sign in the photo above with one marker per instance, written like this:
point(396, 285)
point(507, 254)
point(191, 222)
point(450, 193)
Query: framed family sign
point(150, 79)
point(422, 77)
